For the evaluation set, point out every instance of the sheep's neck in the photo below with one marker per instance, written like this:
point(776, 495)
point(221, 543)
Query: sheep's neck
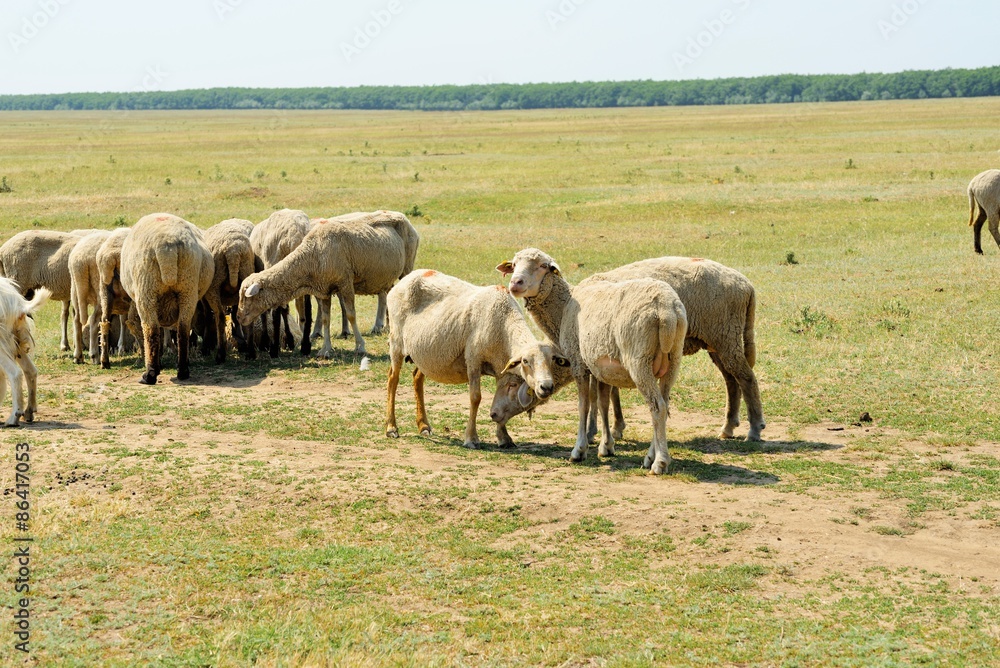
point(547, 310)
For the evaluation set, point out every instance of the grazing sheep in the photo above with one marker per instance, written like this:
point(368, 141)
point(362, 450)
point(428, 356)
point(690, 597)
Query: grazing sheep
point(272, 240)
point(720, 303)
point(40, 258)
point(85, 291)
point(984, 195)
point(343, 255)
point(454, 332)
point(167, 269)
point(113, 298)
point(619, 313)
point(230, 246)
point(16, 345)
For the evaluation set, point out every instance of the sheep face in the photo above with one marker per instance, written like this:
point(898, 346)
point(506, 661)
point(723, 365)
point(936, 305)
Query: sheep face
point(513, 395)
point(536, 364)
point(528, 269)
point(253, 300)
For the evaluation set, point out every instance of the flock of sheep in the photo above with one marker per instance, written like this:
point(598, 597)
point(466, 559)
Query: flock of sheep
point(628, 327)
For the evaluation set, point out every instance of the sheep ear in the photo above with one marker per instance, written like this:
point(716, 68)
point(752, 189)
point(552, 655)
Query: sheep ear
point(505, 268)
point(511, 365)
point(524, 395)
point(253, 290)
point(554, 268)
point(561, 361)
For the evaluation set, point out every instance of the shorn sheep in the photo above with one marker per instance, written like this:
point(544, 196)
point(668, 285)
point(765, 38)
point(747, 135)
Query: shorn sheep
point(342, 255)
point(85, 292)
point(16, 345)
point(272, 241)
point(455, 332)
point(984, 204)
point(623, 333)
point(166, 268)
point(720, 303)
point(40, 258)
point(233, 255)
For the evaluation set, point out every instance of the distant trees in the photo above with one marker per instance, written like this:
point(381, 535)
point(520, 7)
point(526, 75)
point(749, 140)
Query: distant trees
point(783, 88)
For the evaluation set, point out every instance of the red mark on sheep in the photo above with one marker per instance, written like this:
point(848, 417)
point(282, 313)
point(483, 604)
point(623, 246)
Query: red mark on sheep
point(697, 259)
point(429, 273)
point(501, 288)
point(160, 219)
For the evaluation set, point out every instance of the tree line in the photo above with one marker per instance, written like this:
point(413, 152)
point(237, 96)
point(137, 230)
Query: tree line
point(784, 88)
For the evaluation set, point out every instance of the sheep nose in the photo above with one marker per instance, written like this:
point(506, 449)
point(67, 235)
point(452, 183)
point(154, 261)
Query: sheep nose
point(545, 389)
point(516, 284)
point(494, 416)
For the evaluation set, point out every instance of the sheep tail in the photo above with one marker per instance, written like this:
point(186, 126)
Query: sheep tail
point(972, 208)
point(167, 257)
point(749, 345)
point(233, 264)
point(672, 330)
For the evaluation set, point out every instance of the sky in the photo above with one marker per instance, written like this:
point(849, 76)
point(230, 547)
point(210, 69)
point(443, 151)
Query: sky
point(58, 46)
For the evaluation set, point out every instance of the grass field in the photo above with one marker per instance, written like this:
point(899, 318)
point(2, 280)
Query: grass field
point(256, 514)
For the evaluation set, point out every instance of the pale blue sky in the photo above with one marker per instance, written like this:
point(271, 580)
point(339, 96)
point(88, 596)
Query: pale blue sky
point(52, 46)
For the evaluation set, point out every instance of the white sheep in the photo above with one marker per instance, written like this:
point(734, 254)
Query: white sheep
point(16, 346)
point(167, 269)
point(343, 255)
point(621, 332)
point(272, 240)
point(40, 258)
point(85, 291)
point(455, 332)
point(229, 244)
point(113, 298)
point(720, 303)
point(984, 196)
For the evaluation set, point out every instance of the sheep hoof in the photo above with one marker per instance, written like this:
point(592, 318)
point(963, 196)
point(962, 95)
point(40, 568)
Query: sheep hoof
point(617, 433)
point(647, 462)
point(392, 433)
point(471, 445)
point(376, 331)
point(606, 451)
point(148, 379)
point(506, 444)
point(324, 353)
point(78, 360)
point(105, 365)
point(425, 431)
point(344, 335)
point(659, 467)
point(183, 374)
point(29, 415)
point(576, 457)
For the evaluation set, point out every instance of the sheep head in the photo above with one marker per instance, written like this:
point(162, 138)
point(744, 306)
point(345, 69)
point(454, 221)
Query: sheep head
point(536, 364)
point(254, 299)
point(528, 269)
point(514, 395)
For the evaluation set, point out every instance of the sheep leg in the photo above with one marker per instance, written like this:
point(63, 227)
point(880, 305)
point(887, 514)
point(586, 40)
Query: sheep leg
point(105, 334)
point(607, 445)
point(345, 331)
point(151, 336)
point(395, 365)
point(306, 346)
point(475, 397)
point(977, 230)
point(121, 332)
point(423, 426)
point(616, 404)
point(583, 407)
point(994, 218)
point(64, 321)
point(318, 322)
point(503, 438)
point(31, 379)
point(738, 366)
point(289, 339)
point(380, 314)
point(733, 395)
point(347, 293)
point(592, 411)
point(93, 323)
point(220, 333)
point(14, 376)
point(78, 328)
point(276, 332)
point(324, 324)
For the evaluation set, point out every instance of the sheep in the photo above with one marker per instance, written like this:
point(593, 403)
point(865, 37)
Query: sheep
point(720, 304)
point(85, 290)
point(167, 269)
point(272, 240)
point(454, 332)
point(343, 255)
point(984, 196)
point(16, 345)
point(40, 258)
point(113, 298)
point(411, 241)
point(233, 255)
